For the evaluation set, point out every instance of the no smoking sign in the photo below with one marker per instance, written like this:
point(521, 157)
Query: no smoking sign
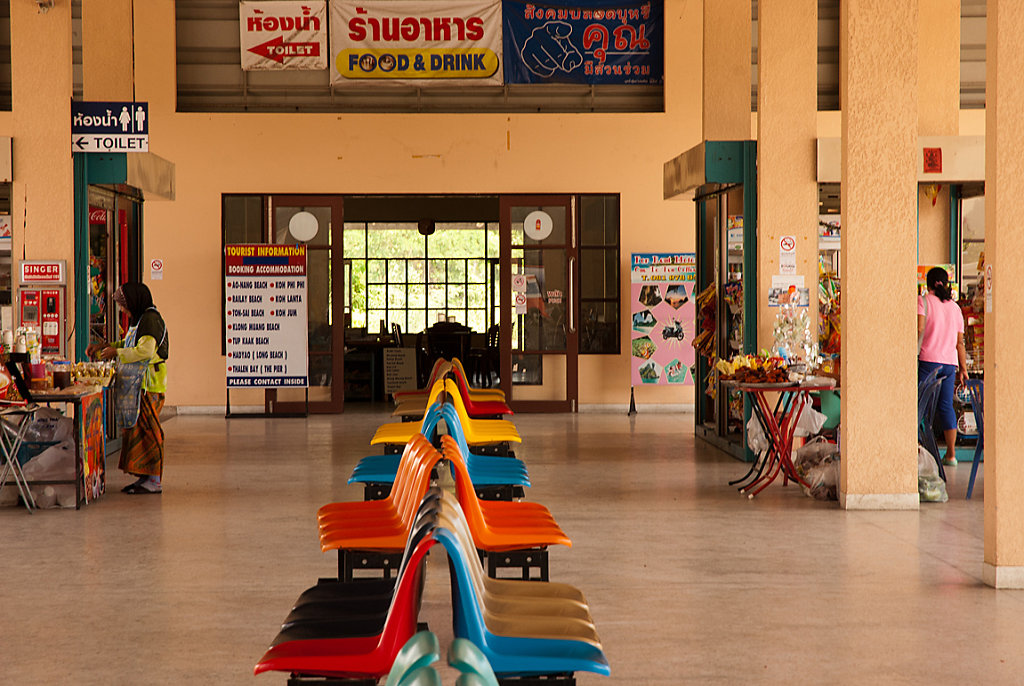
point(787, 255)
point(156, 269)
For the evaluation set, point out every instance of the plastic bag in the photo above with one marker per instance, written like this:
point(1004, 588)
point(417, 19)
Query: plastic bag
point(817, 462)
point(756, 439)
point(49, 425)
point(128, 391)
point(810, 422)
point(930, 487)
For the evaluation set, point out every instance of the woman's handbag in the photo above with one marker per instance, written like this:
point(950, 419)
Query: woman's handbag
point(128, 391)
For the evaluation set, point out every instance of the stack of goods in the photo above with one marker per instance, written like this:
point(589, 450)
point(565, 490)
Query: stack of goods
point(974, 322)
point(753, 369)
point(828, 312)
point(793, 338)
point(704, 341)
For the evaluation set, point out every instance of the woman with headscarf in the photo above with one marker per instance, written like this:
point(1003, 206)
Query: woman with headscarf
point(142, 446)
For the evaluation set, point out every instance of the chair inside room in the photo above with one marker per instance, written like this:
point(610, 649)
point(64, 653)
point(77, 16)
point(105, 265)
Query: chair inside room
point(976, 391)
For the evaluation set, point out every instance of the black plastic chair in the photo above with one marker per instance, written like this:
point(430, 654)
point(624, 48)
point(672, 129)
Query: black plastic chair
point(976, 391)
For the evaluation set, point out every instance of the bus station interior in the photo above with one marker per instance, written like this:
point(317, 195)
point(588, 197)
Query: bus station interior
point(421, 194)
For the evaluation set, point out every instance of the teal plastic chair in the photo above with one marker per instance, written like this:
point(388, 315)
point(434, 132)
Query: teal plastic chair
point(421, 650)
point(464, 656)
point(830, 403)
point(424, 676)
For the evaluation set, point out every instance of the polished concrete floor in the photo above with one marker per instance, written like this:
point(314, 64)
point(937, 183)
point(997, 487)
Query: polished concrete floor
point(688, 582)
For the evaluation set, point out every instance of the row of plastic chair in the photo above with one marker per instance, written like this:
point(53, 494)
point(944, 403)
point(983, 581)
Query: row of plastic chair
point(522, 628)
point(478, 403)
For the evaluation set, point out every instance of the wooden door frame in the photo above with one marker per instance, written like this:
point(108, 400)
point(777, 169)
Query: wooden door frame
point(337, 402)
point(569, 201)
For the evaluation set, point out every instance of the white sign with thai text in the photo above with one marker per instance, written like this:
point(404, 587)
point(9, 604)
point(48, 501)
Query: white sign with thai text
point(283, 35)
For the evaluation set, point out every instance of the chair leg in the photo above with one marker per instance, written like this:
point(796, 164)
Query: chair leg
point(974, 467)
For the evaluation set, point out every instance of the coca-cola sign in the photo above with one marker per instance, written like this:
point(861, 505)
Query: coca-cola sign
point(97, 215)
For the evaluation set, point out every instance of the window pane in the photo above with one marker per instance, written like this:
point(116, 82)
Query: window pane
point(396, 296)
point(417, 296)
point(243, 218)
point(476, 321)
point(375, 271)
point(456, 240)
point(417, 321)
point(374, 297)
point(456, 296)
point(599, 328)
point(599, 220)
point(493, 241)
point(417, 271)
point(478, 296)
point(394, 240)
point(477, 271)
point(437, 271)
point(354, 240)
point(456, 271)
point(599, 273)
point(396, 271)
point(436, 297)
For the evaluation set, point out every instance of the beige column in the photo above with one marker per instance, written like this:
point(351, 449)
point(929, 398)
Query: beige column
point(1004, 247)
point(107, 63)
point(41, 85)
point(787, 189)
point(938, 74)
point(726, 91)
point(878, 92)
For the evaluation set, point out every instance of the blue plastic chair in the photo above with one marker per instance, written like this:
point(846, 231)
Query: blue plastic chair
point(484, 470)
point(511, 655)
point(976, 391)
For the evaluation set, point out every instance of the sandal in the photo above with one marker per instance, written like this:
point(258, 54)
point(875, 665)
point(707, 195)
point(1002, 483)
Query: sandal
point(949, 461)
point(139, 489)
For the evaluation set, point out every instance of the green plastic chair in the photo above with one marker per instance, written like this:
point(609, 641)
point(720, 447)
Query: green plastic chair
point(830, 408)
point(464, 656)
point(422, 650)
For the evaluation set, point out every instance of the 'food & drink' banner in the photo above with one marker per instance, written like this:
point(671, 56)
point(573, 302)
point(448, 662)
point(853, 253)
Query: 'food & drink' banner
point(595, 42)
point(417, 42)
point(663, 312)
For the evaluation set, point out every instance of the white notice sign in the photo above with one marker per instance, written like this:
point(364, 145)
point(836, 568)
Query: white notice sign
point(399, 370)
point(787, 255)
point(265, 316)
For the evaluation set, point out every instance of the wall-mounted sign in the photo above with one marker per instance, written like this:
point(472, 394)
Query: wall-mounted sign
point(283, 35)
point(538, 225)
point(663, 312)
point(418, 42)
point(42, 271)
point(156, 269)
point(109, 126)
point(608, 41)
point(265, 315)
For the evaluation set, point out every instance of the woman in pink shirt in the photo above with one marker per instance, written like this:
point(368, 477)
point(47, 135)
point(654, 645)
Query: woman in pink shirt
point(941, 322)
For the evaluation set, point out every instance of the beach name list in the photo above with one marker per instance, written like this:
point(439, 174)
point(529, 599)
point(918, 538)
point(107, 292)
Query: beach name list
point(265, 314)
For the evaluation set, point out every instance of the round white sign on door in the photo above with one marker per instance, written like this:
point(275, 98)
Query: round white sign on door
point(303, 226)
point(537, 225)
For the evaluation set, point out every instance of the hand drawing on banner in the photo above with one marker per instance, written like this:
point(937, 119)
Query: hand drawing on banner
point(548, 50)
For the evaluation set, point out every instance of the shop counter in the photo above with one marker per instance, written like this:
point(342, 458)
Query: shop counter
point(90, 450)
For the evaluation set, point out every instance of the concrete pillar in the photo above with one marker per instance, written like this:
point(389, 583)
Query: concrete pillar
point(787, 188)
point(878, 45)
point(1004, 245)
point(938, 74)
point(726, 91)
point(107, 50)
point(41, 84)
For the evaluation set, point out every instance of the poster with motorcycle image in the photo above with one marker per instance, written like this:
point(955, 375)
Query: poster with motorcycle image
point(662, 318)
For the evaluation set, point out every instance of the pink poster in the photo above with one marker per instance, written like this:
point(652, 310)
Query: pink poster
point(662, 318)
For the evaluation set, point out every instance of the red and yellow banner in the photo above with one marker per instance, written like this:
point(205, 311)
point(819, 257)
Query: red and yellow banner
point(416, 42)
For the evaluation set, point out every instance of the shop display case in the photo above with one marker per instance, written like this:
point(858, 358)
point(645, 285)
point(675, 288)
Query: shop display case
point(720, 176)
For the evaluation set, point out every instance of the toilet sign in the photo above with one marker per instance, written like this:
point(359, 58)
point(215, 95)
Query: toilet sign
point(109, 126)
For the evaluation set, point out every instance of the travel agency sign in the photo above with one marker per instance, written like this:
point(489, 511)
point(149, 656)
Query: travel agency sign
point(457, 42)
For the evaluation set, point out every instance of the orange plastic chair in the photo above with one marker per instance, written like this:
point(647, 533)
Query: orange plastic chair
point(499, 525)
point(381, 525)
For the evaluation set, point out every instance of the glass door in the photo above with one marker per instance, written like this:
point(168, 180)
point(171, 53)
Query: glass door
point(539, 273)
point(310, 220)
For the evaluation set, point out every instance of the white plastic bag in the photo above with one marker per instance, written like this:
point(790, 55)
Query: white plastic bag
point(810, 422)
point(930, 486)
point(756, 439)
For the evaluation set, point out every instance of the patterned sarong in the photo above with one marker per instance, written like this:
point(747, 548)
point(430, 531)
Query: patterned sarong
point(142, 447)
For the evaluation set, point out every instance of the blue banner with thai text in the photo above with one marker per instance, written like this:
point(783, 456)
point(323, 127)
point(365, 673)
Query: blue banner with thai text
point(592, 42)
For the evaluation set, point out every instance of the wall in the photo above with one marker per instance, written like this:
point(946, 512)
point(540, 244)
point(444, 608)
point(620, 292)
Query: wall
point(426, 153)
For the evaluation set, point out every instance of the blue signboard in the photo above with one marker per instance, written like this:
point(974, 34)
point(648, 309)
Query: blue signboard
point(109, 126)
point(588, 41)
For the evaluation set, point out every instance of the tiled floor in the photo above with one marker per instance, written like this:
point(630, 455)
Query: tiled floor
point(688, 581)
